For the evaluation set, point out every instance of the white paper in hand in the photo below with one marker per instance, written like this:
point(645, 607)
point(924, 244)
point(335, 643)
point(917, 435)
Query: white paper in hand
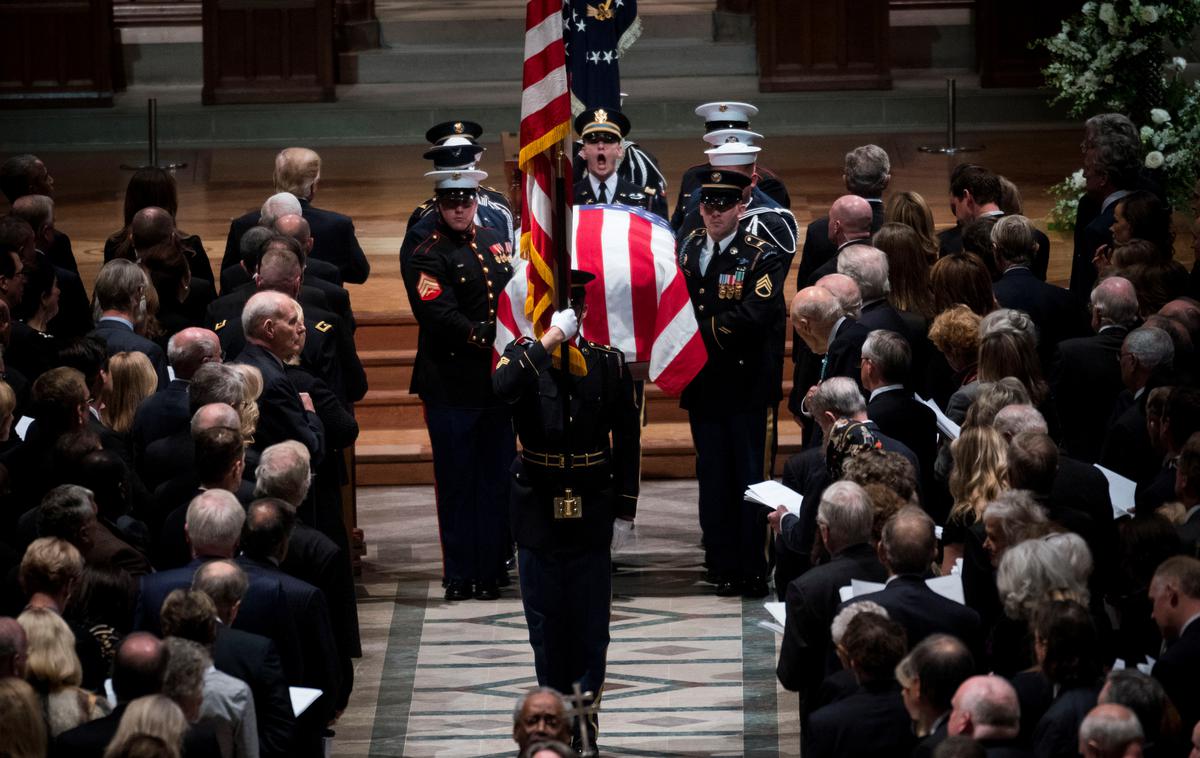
point(774, 494)
point(1120, 491)
point(778, 612)
point(860, 587)
point(944, 424)
point(302, 697)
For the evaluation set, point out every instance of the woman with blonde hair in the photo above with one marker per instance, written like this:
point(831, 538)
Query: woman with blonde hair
point(55, 672)
point(252, 387)
point(979, 473)
point(910, 209)
point(8, 406)
point(151, 716)
point(133, 379)
point(22, 729)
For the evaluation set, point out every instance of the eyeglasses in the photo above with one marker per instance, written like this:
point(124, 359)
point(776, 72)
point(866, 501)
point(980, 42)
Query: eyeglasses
point(719, 204)
point(607, 138)
point(549, 719)
point(451, 202)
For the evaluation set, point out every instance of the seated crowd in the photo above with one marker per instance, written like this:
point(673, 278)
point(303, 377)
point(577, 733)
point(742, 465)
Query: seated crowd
point(174, 557)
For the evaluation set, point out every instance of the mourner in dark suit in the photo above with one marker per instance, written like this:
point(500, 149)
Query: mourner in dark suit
point(453, 279)
point(872, 721)
point(298, 171)
point(45, 247)
point(886, 362)
point(986, 709)
point(275, 333)
point(844, 519)
point(1085, 376)
point(867, 172)
point(1052, 308)
point(907, 548)
point(165, 413)
point(1145, 359)
point(573, 492)
point(850, 219)
point(1110, 170)
point(121, 296)
point(735, 282)
point(829, 333)
point(602, 131)
point(269, 523)
point(214, 525)
point(931, 673)
point(1176, 610)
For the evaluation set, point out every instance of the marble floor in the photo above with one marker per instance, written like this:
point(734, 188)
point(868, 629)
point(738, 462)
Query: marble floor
point(689, 674)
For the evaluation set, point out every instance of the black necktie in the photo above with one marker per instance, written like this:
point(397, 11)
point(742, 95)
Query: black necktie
point(602, 196)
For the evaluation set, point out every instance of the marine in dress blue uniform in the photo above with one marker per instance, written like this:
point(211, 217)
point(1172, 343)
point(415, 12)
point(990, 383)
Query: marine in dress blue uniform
point(569, 484)
point(453, 279)
point(455, 148)
point(735, 281)
point(603, 132)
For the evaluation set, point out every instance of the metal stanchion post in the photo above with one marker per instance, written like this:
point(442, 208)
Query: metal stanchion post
point(951, 147)
point(152, 140)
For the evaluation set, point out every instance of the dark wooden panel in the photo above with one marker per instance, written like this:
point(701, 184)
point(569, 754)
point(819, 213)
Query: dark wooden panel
point(268, 51)
point(56, 52)
point(823, 44)
point(1003, 31)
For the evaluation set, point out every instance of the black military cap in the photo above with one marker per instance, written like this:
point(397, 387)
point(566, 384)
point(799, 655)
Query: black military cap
point(454, 156)
point(721, 184)
point(579, 282)
point(601, 120)
point(438, 133)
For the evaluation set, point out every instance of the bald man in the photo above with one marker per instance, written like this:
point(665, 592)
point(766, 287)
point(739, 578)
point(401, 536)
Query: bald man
point(165, 413)
point(850, 219)
point(845, 290)
point(830, 334)
point(986, 709)
point(1111, 731)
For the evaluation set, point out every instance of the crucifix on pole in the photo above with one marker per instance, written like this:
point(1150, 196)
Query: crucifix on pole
point(583, 706)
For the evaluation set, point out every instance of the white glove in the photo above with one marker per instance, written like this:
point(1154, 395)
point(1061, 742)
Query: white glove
point(623, 535)
point(566, 321)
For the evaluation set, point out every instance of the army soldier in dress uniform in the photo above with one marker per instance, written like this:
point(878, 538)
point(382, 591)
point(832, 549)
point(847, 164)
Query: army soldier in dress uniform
point(455, 149)
point(638, 166)
point(735, 281)
point(573, 494)
point(726, 122)
point(453, 280)
point(602, 131)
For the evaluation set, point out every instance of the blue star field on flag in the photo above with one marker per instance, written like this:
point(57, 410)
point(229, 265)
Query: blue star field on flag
point(596, 34)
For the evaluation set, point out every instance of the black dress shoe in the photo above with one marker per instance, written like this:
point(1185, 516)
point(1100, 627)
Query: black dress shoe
point(755, 587)
point(728, 588)
point(458, 589)
point(487, 591)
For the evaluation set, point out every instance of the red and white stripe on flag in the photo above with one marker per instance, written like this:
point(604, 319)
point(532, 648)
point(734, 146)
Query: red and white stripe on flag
point(545, 121)
point(639, 301)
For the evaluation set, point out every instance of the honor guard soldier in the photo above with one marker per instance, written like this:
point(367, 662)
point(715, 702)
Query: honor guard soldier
point(726, 122)
point(761, 216)
point(453, 279)
point(455, 149)
point(638, 166)
point(602, 131)
point(573, 494)
point(735, 281)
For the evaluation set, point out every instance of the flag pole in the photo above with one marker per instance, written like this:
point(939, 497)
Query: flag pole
point(562, 291)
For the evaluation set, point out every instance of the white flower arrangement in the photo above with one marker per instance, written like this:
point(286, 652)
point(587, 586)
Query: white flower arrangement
point(1110, 57)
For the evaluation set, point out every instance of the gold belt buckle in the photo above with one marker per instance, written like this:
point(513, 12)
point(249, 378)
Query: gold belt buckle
point(568, 506)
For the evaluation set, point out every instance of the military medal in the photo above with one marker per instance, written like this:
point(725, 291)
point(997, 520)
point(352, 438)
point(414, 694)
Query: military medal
point(736, 293)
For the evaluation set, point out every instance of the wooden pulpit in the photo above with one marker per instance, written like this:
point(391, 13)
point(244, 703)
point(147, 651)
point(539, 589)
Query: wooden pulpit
point(56, 52)
point(823, 45)
point(268, 51)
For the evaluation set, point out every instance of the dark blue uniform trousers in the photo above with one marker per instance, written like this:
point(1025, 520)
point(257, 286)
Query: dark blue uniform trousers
point(472, 450)
point(567, 598)
point(731, 450)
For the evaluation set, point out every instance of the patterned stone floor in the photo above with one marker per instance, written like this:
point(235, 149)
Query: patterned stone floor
point(689, 674)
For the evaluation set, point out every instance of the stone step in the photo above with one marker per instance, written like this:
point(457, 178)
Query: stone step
point(399, 114)
point(502, 60)
point(495, 27)
point(404, 457)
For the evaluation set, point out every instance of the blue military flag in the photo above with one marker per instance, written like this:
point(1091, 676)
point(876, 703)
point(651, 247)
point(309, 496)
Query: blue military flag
point(597, 33)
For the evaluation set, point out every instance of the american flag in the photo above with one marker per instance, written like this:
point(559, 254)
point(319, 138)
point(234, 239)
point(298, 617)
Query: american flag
point(638, 301)
point(545, 122)
point(598, 33)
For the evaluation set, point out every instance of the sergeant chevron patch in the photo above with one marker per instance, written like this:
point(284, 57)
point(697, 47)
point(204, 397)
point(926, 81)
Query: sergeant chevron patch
point(762, 287)
point(428, 287)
